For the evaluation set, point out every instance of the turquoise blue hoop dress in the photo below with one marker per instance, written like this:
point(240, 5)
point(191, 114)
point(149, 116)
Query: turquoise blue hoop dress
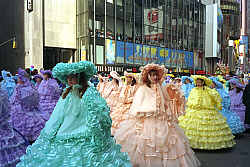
point(77, 135)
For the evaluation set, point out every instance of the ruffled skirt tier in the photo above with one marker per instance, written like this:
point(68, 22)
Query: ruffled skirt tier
point(11, 149)
point(154, 143)
point(29, 124)
point(234, 121)
point(206, 129)
point(73, 152)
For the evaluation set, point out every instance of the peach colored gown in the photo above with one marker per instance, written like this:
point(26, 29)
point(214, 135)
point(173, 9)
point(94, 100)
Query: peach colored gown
point(111, 94)
point(101, 87)
point(151, 135)
point(123, 106)
point(177, 99)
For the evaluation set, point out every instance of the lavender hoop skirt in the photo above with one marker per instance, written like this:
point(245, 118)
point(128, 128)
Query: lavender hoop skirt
point(11, 149)
point(29, 124)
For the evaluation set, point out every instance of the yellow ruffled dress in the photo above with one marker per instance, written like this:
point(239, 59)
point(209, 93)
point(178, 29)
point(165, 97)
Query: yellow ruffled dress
point(204, 126)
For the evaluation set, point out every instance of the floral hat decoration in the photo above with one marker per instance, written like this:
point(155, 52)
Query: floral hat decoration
point(160, 71)
point(207, 81)
point(62, 70)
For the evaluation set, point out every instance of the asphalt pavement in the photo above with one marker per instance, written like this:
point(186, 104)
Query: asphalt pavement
point(238, 156)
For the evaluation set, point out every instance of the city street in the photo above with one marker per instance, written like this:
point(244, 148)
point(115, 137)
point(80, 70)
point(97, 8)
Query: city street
point(239, 156)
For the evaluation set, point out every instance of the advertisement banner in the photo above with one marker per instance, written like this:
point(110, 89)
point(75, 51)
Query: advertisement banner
point(120, 51)
point(146, 54)
point(154, 56)
point(129, 53)
point(110, 51)
point(161, 56)
point(173, 58)
point(138, 54)
point(168, 57)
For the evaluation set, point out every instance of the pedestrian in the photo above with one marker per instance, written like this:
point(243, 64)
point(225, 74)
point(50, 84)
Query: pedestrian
point(25, 114)
point(246, 102)
point(150, 134)
point(204, 126)
point(12, 145)
point(78, 131)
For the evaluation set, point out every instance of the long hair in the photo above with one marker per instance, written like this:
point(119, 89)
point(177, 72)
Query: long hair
point(238, 90)
point(133, 82)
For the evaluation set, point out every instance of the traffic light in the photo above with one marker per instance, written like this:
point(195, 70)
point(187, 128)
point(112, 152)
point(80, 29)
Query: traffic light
point(14, 43)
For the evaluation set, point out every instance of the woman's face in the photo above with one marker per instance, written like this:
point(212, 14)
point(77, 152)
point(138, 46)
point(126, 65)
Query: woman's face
point(153, 77)
point(199, 83)
point(187, 81)
point(72, 80)
point(19, 81)
point(129, 79)
point(46, 76)
point(38, 80)
point(233, 86)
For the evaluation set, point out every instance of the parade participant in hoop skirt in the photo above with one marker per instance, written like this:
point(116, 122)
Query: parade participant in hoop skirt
point(151, 134)
point(233, 120)
point(125, 100)
point(78, 131)
point(12, 144)
point(25, 114)
point(49, 93)
point(204, 126)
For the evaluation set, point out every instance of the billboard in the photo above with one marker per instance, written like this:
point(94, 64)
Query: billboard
point(129, 53)
point(110, 51)
point(120, 51)
point(138, 59)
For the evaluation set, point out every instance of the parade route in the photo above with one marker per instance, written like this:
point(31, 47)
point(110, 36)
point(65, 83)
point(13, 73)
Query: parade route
point(239, 156)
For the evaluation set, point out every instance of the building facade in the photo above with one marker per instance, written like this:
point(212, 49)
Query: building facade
point(44, 31)
point(124, 34)
point(231, 29)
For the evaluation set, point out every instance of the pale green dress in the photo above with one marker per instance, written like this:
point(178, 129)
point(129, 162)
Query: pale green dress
point(77, 135)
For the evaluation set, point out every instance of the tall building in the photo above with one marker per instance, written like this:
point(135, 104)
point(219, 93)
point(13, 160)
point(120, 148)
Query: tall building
point(44, 31)
point(125, 34)
point(231, 28)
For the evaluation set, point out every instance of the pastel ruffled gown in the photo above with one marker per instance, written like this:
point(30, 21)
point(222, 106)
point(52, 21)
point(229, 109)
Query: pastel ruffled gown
point(101, 87)
point(237, 105)
point(151, 135)
point(8, 84)
point(111, 94)
point(49, 93)
point(233, 120)
point(177, 99)
point(77, 135)
point(122, 108)
point(12, 144)
point(25, 114)
point(204, 126)
point(186, 88)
